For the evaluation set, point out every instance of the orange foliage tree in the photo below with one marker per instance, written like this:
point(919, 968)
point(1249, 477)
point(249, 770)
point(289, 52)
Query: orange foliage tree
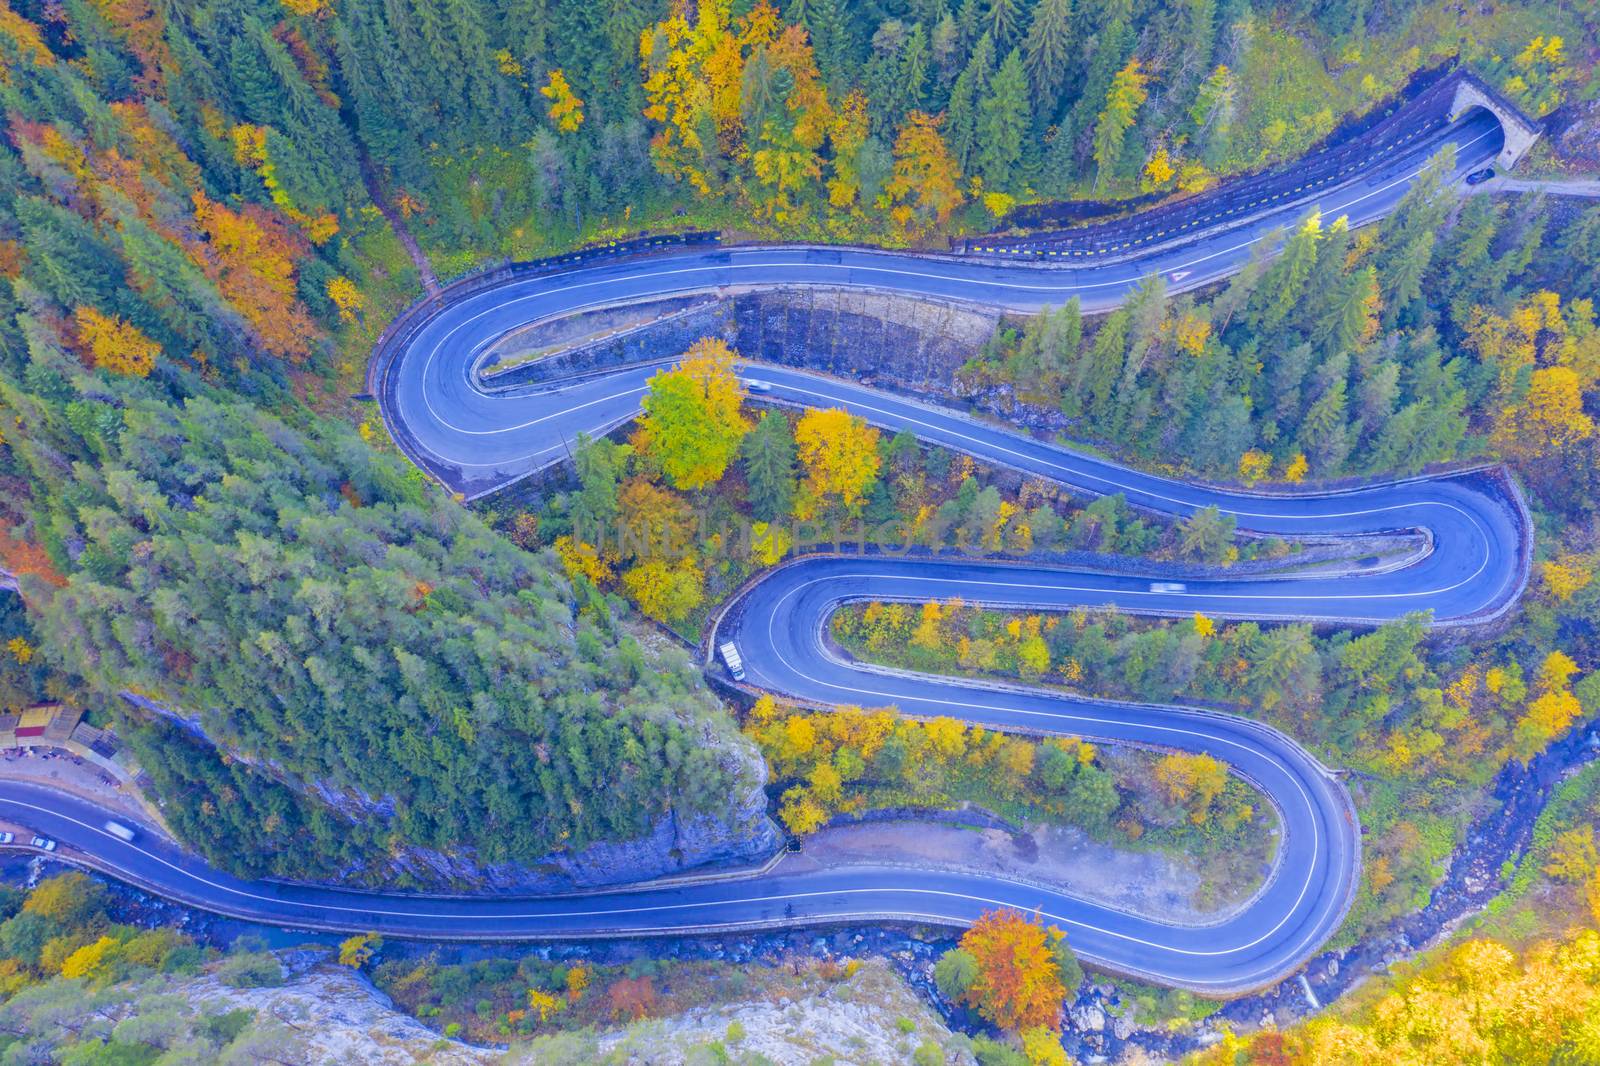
point(251, 255)
point(632, 998)
point(1019, 984)
point(926, 185)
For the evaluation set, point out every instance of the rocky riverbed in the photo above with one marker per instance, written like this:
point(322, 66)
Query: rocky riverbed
point(1473, 879)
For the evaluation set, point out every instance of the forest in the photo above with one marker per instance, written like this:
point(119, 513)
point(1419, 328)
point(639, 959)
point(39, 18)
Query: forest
point(1341, 357)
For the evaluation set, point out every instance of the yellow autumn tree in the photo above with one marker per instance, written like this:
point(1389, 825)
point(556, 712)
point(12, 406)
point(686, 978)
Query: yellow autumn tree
point(1254, 465)
point(1190, 333)
point(1550, 418)
point(1158, 171)
point(1476, 1003)
point(1192, 782)
point(693, 416)
point(115, 345)
point(1566, 576)
point(840, 454)
point(544, 1004)
point(769, 542)
point(1553, 709)
point(1546, 357)
point(783, 152)
point(578, 558)
point(565, 108)
point(1018, 983)
point(848, 133)
point(665, 591)
point(1041, 1046)
point(346, 297)
point(800, 812)
point(698, 64)
point(87, 960)
point(357, 951)
point(577, 981)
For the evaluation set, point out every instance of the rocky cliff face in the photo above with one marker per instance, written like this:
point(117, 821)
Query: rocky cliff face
point(869, 1019)
point(869, 336)
point(676, 844)
point(872, 337)
point(334, 1015)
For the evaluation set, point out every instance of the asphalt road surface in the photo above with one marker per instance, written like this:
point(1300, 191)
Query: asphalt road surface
point(476, 440)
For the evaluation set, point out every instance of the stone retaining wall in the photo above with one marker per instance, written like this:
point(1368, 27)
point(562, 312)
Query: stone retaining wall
point(869, 336)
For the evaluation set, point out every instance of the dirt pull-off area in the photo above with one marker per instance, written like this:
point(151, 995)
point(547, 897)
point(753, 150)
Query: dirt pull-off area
point(65, 772)
point(1151, 883)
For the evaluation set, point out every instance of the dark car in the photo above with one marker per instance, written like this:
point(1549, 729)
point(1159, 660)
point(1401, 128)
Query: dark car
point(1478, 177)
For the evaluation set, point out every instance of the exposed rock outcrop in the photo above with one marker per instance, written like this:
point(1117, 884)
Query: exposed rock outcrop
point(911, 344)
point(676, 844)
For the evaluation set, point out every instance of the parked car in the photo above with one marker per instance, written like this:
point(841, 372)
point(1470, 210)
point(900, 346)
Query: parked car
point(1168, 586)
point(43, 843)
point(120, 831)
point(6, 838)
point(1478, 177)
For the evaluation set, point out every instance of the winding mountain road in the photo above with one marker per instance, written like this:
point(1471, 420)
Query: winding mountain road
point(477, 440)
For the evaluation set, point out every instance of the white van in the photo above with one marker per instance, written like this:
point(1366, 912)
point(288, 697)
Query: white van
point(120, 831)
point(730, 655)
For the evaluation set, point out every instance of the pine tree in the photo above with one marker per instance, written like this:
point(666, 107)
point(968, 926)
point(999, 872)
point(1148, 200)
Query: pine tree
point(1110, 48)
point(255, 90)
point(66, 257)
point(1104, 365)
point(1003, 21)
point(1348, 321)
point(912, 91)
point(969, 23)
point(1126, 95)
point(971, 88)
point(930, 12)
point(1048, 47)
point(1284, 287)
point(1002, 123)
point(1200, 39)
point(768, 458)
point(1061, 338)
point(1324, 433)
point(832, 39)
point(945, 49)
point(1377, 391)
point(1407, 237)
